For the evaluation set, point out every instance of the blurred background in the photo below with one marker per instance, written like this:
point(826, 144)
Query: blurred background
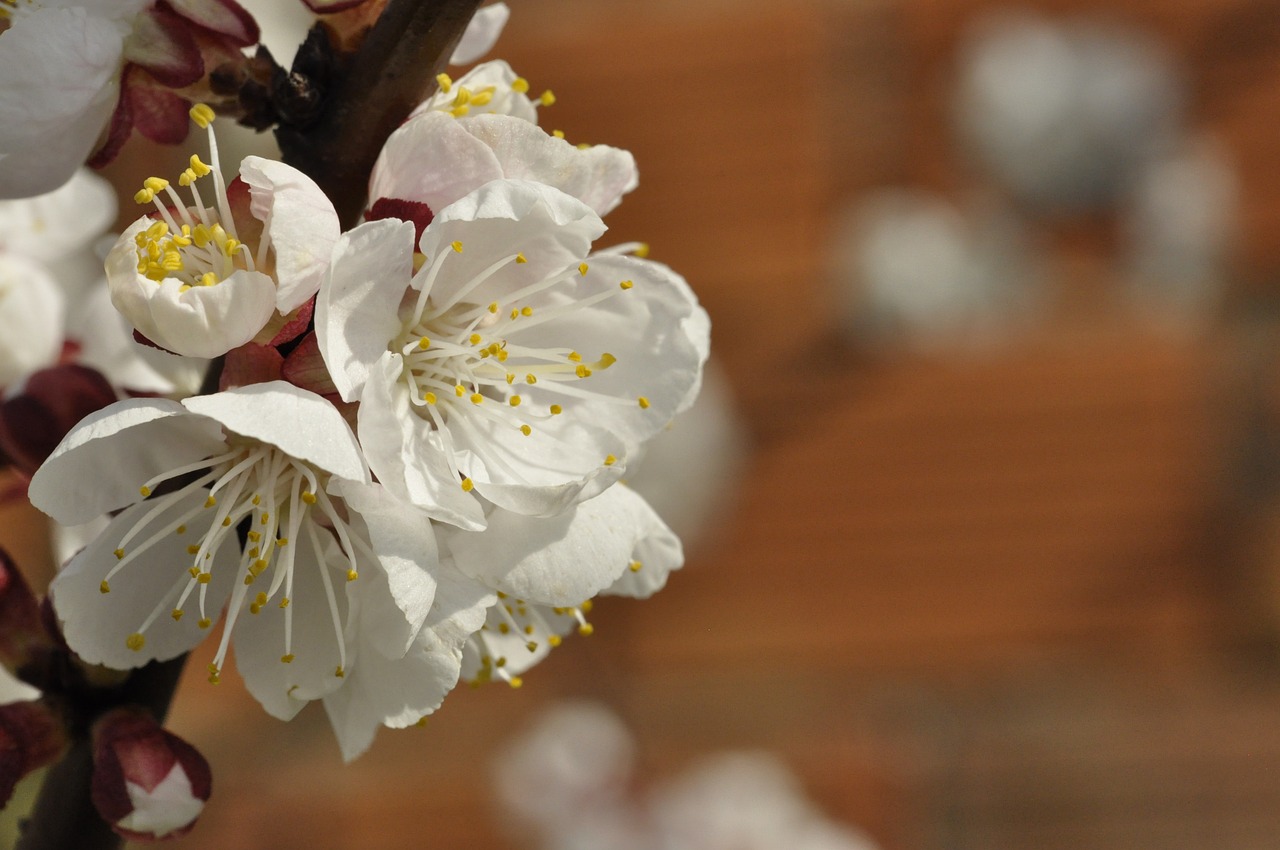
point(984, 519)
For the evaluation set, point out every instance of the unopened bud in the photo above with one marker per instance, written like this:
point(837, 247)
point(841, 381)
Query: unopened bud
point(22, 633)
point(30, 737)
point(148, 784)
point(35, 418)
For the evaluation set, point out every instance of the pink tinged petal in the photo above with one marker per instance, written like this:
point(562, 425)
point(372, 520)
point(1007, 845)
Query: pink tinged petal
point(225, 17)
point(158, 114)
point(598, 175)
point(118, 449)
point(162, 43)
point(657, 553)
point(250, 364)
point(304, 367)
point(397, 598)
point(31, 316)
point(406, 455)
point(148, 784)
point(481, 34)
point(49, 404)
point(69, 59)
point(412, 166)
point(293, 325)
point(283, 689)
point(357, 312)
point(297, 422)
point(98, 625)
point(119, 129)
point(300, 222)
point(552, 230)
point(558, 560)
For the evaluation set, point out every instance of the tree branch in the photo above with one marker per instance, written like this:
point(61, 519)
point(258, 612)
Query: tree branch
point(394, 70)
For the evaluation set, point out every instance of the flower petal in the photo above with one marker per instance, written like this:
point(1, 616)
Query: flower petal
point(222, 16)
point(31, 311)
point(298, 422)
point(481, 34)
point(118, 449)
point(357, 310)
point(97, 625)
point(300, 222)
point(432, 159)
point(161, 42)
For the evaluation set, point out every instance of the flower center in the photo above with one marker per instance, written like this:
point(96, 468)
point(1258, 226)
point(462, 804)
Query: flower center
point(267, 504)
point(460, 101)
point(512, 621)
point(196, 244)
point(465, 362)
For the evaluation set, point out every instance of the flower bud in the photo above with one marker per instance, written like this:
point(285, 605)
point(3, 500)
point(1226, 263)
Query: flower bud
point(36, 418)
point(148, 784)
point(30, 737)
point(21, 632)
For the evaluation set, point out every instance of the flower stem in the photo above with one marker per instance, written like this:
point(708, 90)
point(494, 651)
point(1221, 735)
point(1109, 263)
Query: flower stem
point(64, 815)
point(394, 70)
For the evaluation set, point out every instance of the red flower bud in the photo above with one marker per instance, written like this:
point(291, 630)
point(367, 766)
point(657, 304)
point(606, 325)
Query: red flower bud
point(22, 632)
point(30, 737)
point(36, 418)
point(148, 784)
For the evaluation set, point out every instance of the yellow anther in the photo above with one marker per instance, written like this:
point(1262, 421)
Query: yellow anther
point(144, 196)
point(261, 599)
point(520, 259)
point(287, 658)
point(531, 378)
point(476, 398)
point(193, 549)
point(204, 578)
point(554, 640)
point(583, 268)
point(194, 571)
point(202, 115)
point(172, 261)
point(526, 430)
point(582, 371)
point(459, 391)
point(626, 284)
point(226, 522)
point(642, 250)
point(156, 184)
point(248, 578)
point(257, 499)
point(456, 246)
point(284, 602)
point(520, 85)
point(514, 401)
point(586, 629)
point(463, 96)
point(635, 566)
point(586, 606)
point(481, 99)
point(104, 587)
point(208, 279)
point(158, 230)
point(547, 98)
point(559, 134)
point(200, 235)
point(119, 553)
point(199, 167)
point(515, 681)
point(445, 82)
point(459, 111)
point(606, 360)
point(258, 567)
point(511, 378)
point(182, 529)
point(515, 313)
point(352, 575)
point(526, 311)
point(493, 307)
point(429, 397)
point(135, 641)
point(583, 146)
point(475, 339)
point(339, 672)
point(255, 608)
point(186, 178)
point(176, 614)
point(610, 460)
point(255, 536)
point(205, 623)
point(309, 498)
point(575, 357)
point(421, 721)
point(467, 484)
point(504, 628)
point(556, 410)
point(266, 517)
point(644, 402)
point(282, 541)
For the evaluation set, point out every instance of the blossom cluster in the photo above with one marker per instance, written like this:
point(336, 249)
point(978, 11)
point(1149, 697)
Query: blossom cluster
point(407, 465)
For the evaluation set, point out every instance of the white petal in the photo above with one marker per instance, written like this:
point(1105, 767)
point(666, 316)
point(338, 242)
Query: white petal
point(13, 689)
point(301, 224)
point(106, 343)
point(49, 227)
point(657, 551)
point(481, 34)
point(598, 175)
point(100, 465)
point(259, 639)
point(170, 806)
point(357, 310)
point(396, 598)
point(552, 230)
point(68, 60)
point(298, 422)
point(96, 624)
point(433, 160)
point(404, 452)
point(497, 74)
point(560, 560)
point(31, 310)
